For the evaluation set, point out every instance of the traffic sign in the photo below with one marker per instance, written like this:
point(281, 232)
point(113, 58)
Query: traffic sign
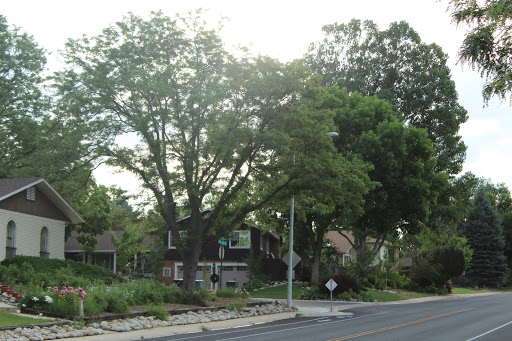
point(331, 284)
point(295, 259)
point(223, 241)
point(214, 278)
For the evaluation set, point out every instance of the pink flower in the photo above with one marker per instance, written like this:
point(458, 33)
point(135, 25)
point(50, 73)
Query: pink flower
point(70, 288)
point(55, 289)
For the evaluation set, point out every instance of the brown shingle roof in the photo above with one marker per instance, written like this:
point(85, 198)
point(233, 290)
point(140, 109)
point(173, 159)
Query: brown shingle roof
point(13, 186)
point(104, 241)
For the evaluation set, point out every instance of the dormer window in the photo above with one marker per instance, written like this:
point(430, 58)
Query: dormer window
point(31, 193)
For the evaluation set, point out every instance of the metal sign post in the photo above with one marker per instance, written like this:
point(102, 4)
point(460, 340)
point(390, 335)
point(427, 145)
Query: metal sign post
point(331, 285)
point(221, 256)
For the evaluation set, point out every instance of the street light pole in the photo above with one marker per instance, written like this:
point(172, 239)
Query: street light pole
point(290, 251)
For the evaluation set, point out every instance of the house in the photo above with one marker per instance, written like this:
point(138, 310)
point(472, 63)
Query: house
point(104, 254)
point(33, 219)
point(232, 269)
point(348, 252)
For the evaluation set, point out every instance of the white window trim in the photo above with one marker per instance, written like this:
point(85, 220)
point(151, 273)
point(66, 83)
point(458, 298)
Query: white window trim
point(182, 233)
point(241, 247)
point(167, 269)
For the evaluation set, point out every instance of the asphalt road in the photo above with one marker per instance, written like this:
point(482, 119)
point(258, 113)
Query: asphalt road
point(482, 318)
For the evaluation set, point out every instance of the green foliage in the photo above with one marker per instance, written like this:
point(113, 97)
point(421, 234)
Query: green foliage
point(488, 42)
point(395, 65)
point(237, 306)
point(256, 277)
point(438, 266)
point(403, 166)
point(198, 297)
point(229, 293)
point(212, 127)
point(313, 293)
point(363, 266)
point(54, 272)
point(159, 312)
point(430, 240)
point(344, 284)
point(485, 235)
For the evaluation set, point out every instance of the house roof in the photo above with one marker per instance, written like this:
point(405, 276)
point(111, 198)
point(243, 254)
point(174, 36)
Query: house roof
point(104, 241)
point(342, 244)
point(10, 187)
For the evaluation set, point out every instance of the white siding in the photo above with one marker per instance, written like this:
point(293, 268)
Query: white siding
point(28, 234)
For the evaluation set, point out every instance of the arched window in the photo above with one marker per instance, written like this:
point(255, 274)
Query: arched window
point(43, 247)
point(10, 248)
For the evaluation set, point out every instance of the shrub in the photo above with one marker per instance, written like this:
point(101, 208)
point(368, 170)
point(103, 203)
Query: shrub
point(54, 272)
point(344, 283)
point(228, 293)
point(158, 312)
point(172, 293)
point(313, 293)
point(197, 297)
point(237, 306)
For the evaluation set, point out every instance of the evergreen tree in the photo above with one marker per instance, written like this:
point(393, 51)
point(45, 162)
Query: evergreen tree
point(485, 235)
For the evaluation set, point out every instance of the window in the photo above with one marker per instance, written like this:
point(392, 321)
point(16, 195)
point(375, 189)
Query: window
point(31, 193)
point(227, 268)
point(180, 269)
point(172, 243)
point(240, 240)
point(242, 268)
point(43, 243)
point(10, 248)
point(203, 268)
point(232, 284)
point(167, 272)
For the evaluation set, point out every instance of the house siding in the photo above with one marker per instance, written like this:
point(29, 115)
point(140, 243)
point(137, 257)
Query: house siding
point(28, 234)
point(41, 206)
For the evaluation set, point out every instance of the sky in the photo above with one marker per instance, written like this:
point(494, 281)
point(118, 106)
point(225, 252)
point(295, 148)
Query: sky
point(283, 29)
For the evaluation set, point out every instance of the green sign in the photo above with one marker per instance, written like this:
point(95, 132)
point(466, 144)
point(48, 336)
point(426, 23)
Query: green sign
point(224, 241)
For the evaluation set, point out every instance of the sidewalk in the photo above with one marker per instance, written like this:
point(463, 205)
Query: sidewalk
point(8, 308)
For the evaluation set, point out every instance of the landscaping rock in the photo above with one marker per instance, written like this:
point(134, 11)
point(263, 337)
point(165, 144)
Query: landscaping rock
point(125, 325)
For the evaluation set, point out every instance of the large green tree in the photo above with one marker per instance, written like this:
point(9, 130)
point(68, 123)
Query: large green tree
point(208, 128)
point(484, 232)
point(488, 43)
point(22, 104)
point(35, 142)
point(403, 166)
point(328, 193)
point(395, 65)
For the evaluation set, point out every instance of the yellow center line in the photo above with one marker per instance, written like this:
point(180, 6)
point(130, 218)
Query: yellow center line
point(398, 325)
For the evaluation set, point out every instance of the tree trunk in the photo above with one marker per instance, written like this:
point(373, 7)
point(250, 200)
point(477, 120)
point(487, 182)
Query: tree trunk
point(192, 249)
point(315, 266)
point(190, 263)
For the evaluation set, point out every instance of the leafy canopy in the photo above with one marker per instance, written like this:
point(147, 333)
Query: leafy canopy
point(395, 65)
point(488, 43)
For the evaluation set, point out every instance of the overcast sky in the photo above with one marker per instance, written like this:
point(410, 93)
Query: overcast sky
point(283, 29)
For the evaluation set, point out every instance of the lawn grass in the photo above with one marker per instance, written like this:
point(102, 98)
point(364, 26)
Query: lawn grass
point(465, 291)
point(278, 292)
point(8, 319)
point(396, 295)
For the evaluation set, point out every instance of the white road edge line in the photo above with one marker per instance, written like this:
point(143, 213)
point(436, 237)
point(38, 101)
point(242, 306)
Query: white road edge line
point(229, 330)
point(490, 331)
point(282, 330)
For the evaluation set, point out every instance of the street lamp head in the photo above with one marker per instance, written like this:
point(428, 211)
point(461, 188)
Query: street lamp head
point(332, 133)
